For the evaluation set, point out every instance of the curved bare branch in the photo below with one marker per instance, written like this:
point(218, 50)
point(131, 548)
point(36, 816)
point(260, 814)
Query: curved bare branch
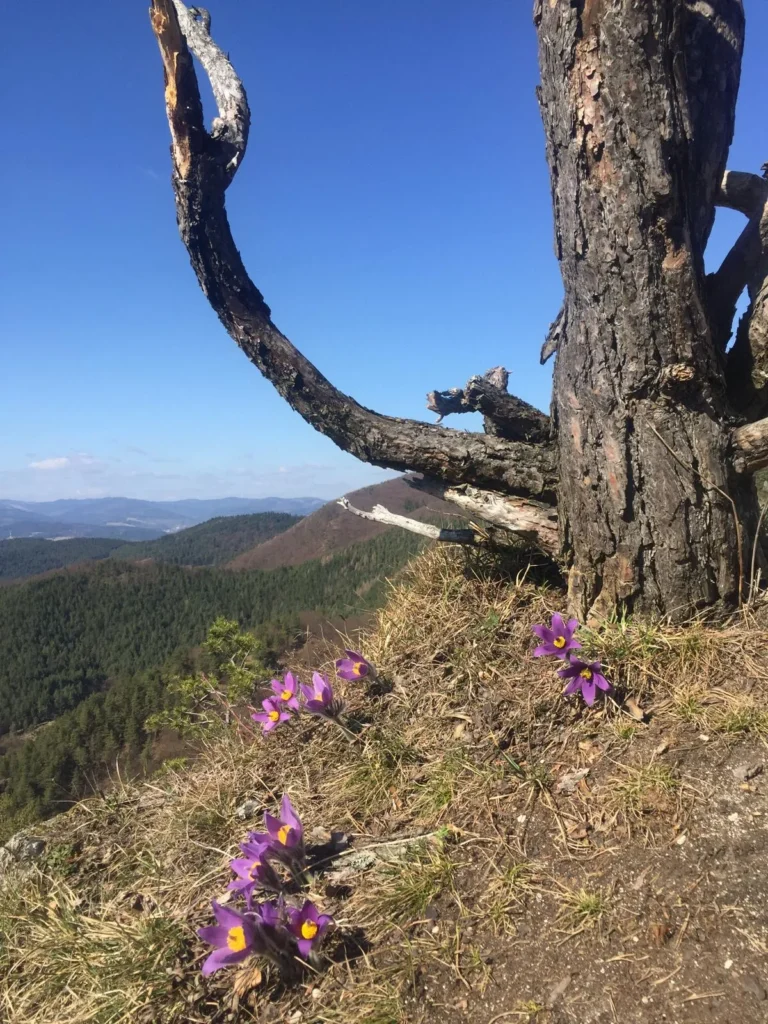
point(200, 178)
point(742, 191)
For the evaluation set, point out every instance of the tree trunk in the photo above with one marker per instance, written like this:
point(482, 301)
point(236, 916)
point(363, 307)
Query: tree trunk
point(649, 515)
point(646, 459)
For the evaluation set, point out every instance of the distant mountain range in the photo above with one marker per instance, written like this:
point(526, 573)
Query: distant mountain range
point(131, 518)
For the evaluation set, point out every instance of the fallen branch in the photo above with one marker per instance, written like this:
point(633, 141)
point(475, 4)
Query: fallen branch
point(379, 514)
point(530, 520)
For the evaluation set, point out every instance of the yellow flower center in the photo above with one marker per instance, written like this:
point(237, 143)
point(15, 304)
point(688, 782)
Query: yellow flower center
point(586, 673)
point(283, 834)
point(559, 642)
point(236, 939)
point(308, 930)
point(254, 870)
point(357, 668)
point(286, 695)
point(274, 716)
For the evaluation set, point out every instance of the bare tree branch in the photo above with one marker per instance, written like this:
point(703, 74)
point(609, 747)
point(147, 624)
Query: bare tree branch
point(750, 446)
point(531, 520)
point(749, 194)
point(505, 415)
point(200, 178)
point(230, 128)
point(556, 331)
point(747, 368)
point(742, 191)
point(379, 514)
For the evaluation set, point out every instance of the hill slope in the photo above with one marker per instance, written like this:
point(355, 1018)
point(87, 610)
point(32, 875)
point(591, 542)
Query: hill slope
point(331, 529)
point(64, 636)
point(30, 556)
point(212, 543)
point(514, 855)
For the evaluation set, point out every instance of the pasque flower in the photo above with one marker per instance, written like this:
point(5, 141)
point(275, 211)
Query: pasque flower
point(285, 691)
point(286, 833)
point(254, 871)
point(308, 925)
point(353, 667)
point(235, 937)
point(557, 638)
point(319, 697)
point(585, 677)
point(272, 715)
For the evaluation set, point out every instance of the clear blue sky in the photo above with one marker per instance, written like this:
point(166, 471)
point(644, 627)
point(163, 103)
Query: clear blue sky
point(393, 207)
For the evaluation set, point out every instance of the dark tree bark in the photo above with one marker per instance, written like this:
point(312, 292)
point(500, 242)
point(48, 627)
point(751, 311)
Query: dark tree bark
point(646, 459)
point(638, 102)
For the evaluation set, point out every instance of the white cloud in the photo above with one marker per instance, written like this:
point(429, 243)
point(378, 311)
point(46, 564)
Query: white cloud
point(62, 463)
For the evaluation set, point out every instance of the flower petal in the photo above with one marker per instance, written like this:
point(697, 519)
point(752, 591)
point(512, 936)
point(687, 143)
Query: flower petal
point(543, 633)
point(558, 626)
point(305, 947)
point(602, 682)
point(574, 686)
point(223, 958)
point(571, 626)
point(543, 650)
point(589, 691)
point(214, 934)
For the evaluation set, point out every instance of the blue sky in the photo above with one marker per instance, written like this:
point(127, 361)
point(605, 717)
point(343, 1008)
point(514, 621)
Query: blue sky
point(393, 207)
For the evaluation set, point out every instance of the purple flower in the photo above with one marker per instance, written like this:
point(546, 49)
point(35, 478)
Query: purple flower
point(308, 925)
point(585, 677)
point(354, 666)
point(235, 938)
point(285, 691)
point(286, 833)
point(319, 697)
point(271, 716)
point(558, 638)
point(254, 871)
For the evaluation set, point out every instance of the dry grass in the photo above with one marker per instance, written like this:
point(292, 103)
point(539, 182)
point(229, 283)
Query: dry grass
point(465, 739)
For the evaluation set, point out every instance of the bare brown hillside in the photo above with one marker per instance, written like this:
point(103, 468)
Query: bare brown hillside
point(331, 529)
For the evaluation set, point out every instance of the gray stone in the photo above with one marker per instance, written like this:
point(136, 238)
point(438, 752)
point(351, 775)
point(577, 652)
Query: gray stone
point(745, 772)
point(248, 809)
point(752, 984)
point(25, 848)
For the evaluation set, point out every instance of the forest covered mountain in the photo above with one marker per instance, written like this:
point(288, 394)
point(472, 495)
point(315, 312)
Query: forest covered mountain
point(214, 542)
point(87, 651)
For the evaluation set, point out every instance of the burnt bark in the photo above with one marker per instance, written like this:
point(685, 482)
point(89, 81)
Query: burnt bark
point(638, 103)
point(504, 415)
point(203, 166)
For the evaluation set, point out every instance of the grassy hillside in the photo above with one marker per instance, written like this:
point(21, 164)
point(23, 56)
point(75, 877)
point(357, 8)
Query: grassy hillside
point(331, 529)
point(514, 855)
point(215, 542)
point(28, 556)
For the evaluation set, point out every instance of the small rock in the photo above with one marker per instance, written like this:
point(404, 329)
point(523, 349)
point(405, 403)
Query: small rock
point(25, 848)
point(752, 984)
point(248, 809)
point(558, 990)
point(733, 817)
point(728, 964)
point(745, 772)
point(568, 783)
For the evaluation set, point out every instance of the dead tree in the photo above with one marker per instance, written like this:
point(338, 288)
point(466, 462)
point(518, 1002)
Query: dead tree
point(641, 477)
